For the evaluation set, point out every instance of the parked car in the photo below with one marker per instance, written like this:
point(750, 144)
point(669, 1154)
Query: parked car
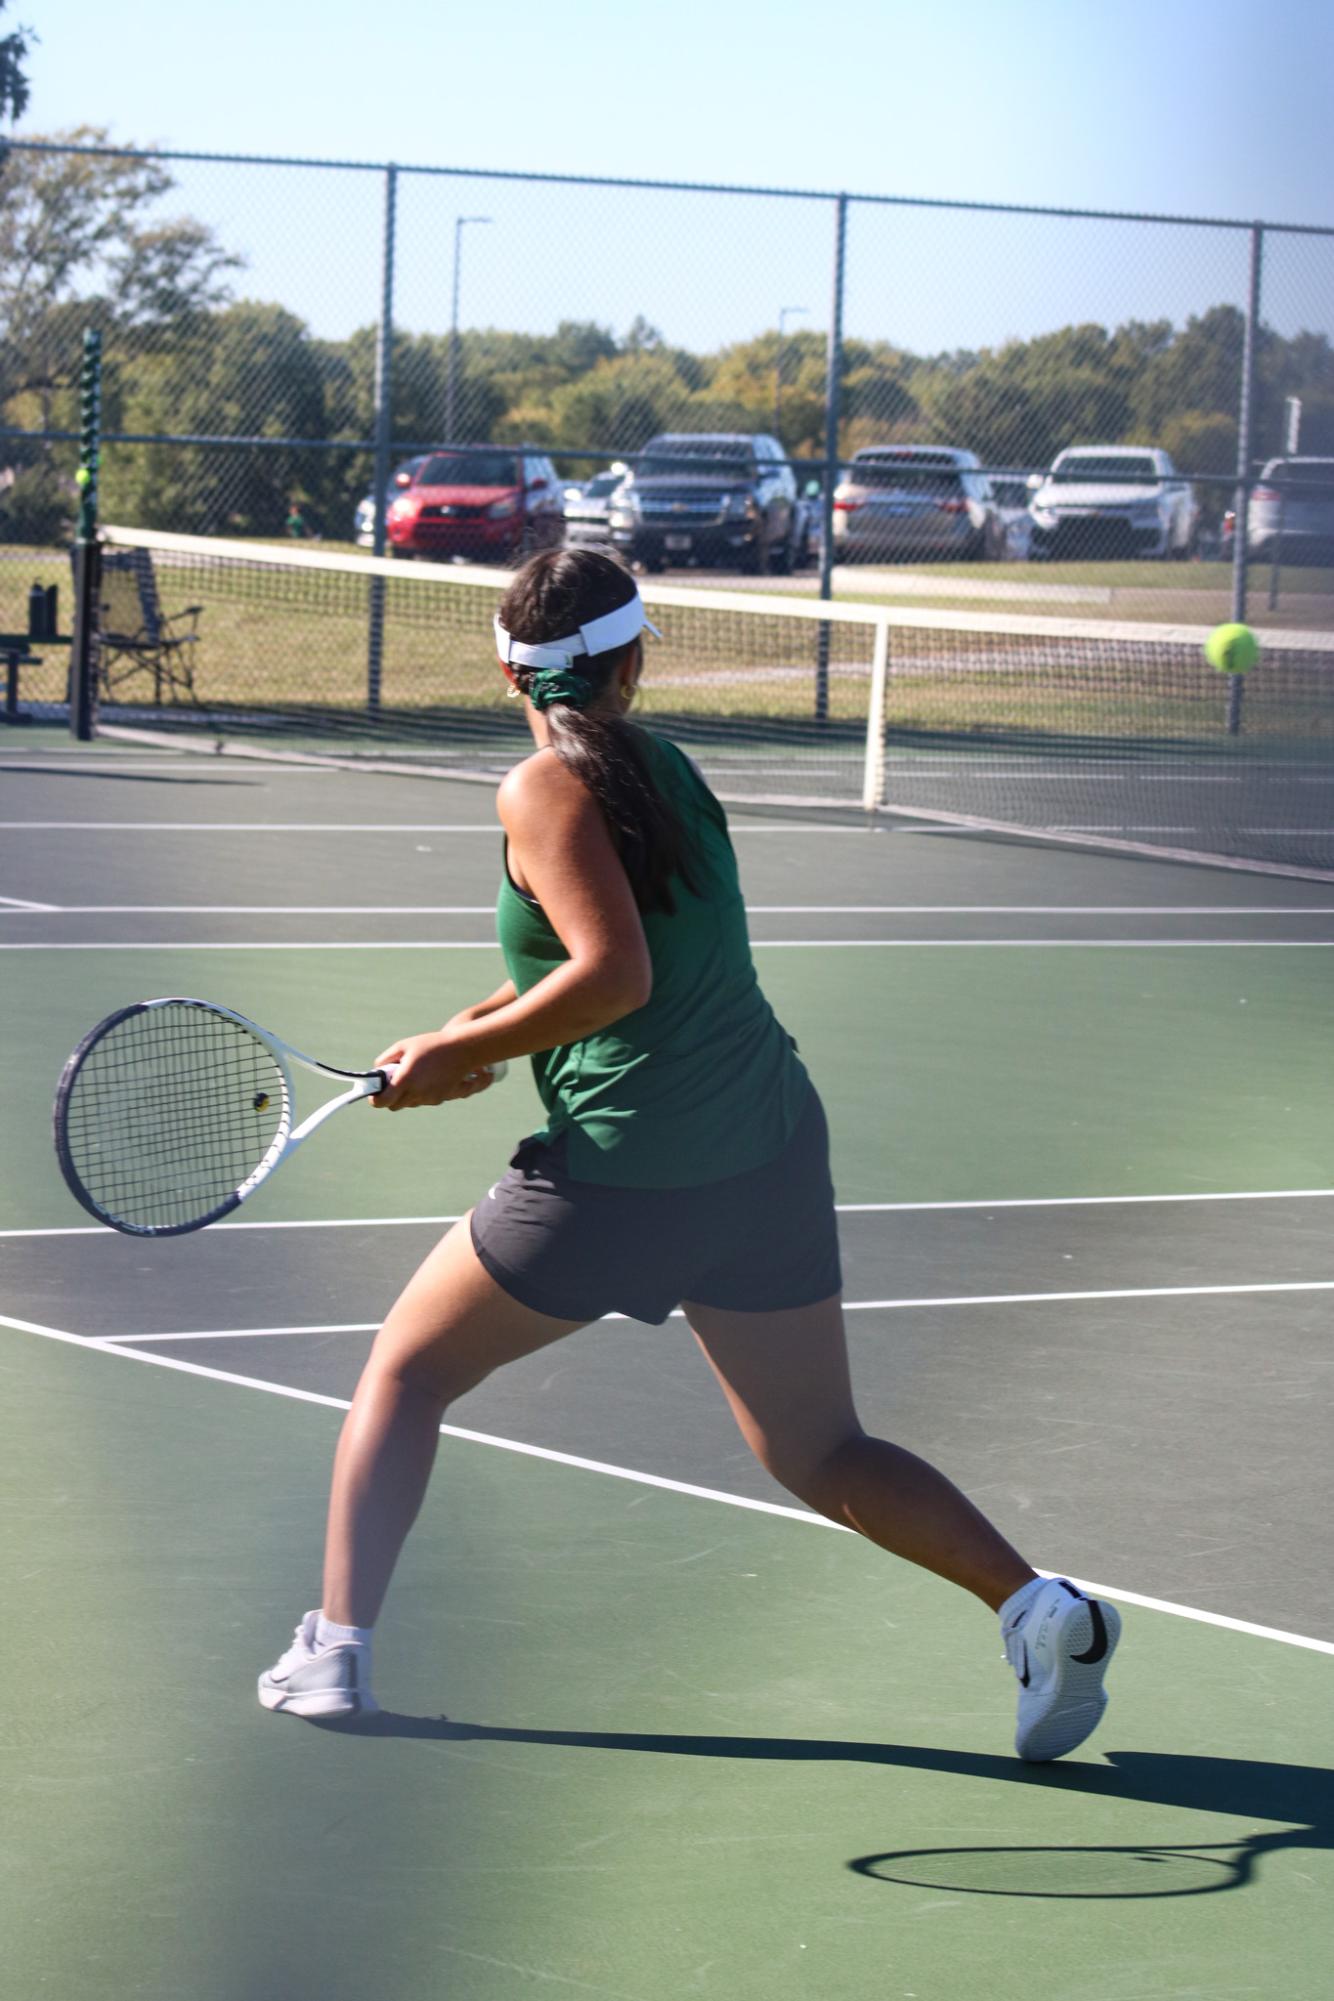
point(363, 522)
point(1295, 499)
point(806, 525)
point(492, 505)
point(897, 501)
point(715, 497)
point(588, 509)
point(1114, 500)
point(1012, 494)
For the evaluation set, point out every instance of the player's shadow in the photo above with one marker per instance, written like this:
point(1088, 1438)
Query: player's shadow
point(1300, 1796)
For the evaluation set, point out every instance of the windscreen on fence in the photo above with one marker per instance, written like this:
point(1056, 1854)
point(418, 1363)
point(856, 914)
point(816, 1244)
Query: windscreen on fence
point(1116, 734)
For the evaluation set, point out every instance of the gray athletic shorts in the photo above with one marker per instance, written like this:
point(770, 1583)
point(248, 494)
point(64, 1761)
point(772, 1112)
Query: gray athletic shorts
point(755, 1243)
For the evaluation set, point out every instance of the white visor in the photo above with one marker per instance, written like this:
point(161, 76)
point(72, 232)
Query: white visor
point(600, 635)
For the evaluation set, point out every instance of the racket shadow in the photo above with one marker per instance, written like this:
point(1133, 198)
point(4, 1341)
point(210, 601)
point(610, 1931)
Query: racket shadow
point(1301, 1796)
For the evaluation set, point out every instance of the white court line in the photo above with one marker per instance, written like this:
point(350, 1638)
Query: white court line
point(842, 1208)
point(1222, 910)
point(757, 945)
point(68, 764)
point(491, 828)
point(849, 1306)
point(640, 1479)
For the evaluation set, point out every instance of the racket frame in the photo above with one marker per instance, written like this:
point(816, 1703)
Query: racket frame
point(286, 1139)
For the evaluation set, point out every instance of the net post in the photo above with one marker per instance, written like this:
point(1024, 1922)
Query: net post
point(384, 365)
point(83, 646)
point(873, 778)
point(832, 379)
point(1245, 452)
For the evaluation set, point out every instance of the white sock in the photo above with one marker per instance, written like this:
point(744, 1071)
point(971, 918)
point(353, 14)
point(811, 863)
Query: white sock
point(1019, 1601)
point(329, 1634)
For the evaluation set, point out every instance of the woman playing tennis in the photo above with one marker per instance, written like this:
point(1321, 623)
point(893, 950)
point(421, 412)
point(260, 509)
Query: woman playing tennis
point(684, 1161)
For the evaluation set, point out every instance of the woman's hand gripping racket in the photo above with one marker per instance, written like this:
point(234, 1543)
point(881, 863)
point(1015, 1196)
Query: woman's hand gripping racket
point(170, 1113)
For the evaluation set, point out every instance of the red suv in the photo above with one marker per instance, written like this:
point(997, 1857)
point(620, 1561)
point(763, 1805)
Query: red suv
point(487, 504)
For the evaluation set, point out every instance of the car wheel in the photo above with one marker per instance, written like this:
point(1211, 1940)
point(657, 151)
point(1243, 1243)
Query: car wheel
point(758, 559)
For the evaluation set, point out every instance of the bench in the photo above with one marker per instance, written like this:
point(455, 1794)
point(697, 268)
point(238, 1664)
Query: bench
point(16, 647)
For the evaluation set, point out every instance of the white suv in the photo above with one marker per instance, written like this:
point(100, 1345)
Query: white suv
point(1114, 500)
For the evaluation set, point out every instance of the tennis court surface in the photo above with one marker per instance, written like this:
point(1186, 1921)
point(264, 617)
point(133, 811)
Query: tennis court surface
point(651, 1730)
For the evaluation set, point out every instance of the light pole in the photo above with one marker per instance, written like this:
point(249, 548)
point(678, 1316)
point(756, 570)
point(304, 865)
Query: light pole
point(783, 313)
point(452, 380)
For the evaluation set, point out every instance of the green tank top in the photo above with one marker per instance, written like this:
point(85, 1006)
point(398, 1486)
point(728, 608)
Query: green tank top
point(700, 1083)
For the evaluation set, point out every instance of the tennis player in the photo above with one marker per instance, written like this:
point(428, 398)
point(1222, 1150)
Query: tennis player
point(684, 1161)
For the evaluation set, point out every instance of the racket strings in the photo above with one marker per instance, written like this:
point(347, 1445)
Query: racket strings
point(170, 1112)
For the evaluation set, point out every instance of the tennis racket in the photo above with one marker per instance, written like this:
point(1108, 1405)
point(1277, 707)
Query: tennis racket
point(170, 1113)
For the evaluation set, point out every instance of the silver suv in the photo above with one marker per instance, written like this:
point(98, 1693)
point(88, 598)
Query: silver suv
point(1295, 499)
point(1114, 500)
point(897, 501)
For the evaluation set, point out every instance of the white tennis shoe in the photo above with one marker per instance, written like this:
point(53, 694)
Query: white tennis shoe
point(319, 1681)
point(1060, 1645)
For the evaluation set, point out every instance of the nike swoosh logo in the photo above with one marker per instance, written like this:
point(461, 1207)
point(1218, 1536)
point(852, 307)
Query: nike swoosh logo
point(1024, 1677)
point(1099, 1645)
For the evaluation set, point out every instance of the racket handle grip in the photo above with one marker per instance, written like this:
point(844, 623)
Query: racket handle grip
point(389, 1071)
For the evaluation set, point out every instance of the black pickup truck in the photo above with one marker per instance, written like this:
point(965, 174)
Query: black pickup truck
point(723, 498)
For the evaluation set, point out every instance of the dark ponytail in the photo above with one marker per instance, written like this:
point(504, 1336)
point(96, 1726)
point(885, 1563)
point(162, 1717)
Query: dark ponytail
point(551, 597)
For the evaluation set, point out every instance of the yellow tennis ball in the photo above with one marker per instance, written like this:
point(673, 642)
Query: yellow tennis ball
point(82, 477)
point(1232, 649)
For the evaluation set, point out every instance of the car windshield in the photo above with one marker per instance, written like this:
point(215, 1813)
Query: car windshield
point(1091, 470)
point(1010, 492)
point(602, 484)
point(469, 469)
point(709, 458)
point(1314, 476)
point(909, 476)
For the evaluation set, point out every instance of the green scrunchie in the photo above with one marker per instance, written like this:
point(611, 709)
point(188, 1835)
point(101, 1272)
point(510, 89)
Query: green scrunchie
point(559, 684)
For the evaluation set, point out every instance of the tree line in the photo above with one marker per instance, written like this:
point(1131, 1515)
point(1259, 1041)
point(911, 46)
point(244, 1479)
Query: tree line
point(83, 242)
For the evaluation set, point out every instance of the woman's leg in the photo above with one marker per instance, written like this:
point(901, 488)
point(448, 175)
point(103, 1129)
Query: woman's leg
point(786, 1378)
point(451, 1326)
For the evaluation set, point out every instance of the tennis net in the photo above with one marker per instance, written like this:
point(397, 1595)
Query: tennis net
point(1107, 734)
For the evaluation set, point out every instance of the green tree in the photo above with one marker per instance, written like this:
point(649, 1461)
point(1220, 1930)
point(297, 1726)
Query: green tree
point(76, 227)
point(249, 371)
point(14, 91)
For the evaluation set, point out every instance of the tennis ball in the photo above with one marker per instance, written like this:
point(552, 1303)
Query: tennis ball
point(1232, 649)
point(82, 476)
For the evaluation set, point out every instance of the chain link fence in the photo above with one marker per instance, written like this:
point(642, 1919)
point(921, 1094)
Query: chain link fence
point(279, 335)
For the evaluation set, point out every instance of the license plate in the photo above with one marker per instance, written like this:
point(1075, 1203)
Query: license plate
point(676, 541)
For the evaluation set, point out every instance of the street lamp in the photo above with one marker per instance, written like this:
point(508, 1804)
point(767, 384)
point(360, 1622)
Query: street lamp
point(452, 380)
point(783, 313)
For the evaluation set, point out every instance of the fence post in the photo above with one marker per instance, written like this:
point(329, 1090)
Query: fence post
point(1245, 453)
point(83, 646)
point(384, 391)
point(833, 377)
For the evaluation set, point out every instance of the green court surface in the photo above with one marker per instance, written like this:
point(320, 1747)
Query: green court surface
point(652, 1731)
point(948, 1073)
point(639, 1743)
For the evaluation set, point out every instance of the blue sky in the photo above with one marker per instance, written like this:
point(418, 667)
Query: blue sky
point(1201, 107)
